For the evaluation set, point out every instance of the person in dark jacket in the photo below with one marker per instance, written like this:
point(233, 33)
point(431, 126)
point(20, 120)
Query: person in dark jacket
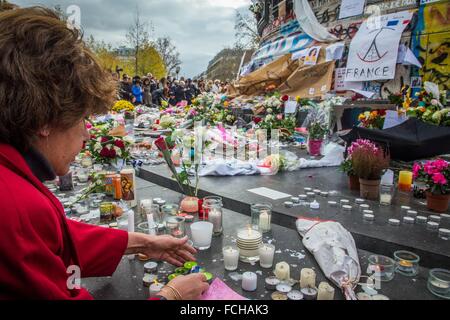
point(147, 96)
point(126, 89)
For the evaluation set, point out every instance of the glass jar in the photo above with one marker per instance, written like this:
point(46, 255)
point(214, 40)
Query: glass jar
point(383, 267)
point(170, 209)
point(213, 212)
point(154, 215)
point(175, 226)
point(439, 283)
point(106, 212)
point(261, 217)
point(407, 263)
point(386, 194)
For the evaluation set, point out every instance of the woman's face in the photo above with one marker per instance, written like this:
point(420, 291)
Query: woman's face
point(61, 147)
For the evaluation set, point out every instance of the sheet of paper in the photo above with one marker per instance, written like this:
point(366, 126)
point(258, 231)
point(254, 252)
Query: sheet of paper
point(351, 8)
point(219, 291)
point(312, 56)
point(269, 193)
point(290, 107)
point(393, 119)
point(335, 51)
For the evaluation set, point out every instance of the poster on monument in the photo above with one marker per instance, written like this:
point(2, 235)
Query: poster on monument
point(374, 50)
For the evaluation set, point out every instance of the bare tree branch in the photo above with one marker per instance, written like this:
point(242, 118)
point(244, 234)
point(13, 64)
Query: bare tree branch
point(169, 53)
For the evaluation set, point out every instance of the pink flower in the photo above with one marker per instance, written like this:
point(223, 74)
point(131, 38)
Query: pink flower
point(440, 164)
point(416, 170)
point(280, 117)
point(438, 178)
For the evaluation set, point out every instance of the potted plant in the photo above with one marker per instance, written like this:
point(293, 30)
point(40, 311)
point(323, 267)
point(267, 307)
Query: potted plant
point(436, 175)
point(316, 133)
point(369, 163)
point(353, 180)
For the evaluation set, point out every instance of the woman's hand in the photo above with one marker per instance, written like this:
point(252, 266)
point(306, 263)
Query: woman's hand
point(166, 248)
point(189, 287)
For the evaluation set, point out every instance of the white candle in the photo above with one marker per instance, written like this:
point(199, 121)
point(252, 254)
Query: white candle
point(215, 217)
point(155, 288)
point(202, 234)
point(307, 278)
point(231, 258)
point(326, 292)
point(266, 255)
point(283, 271)
point(249, 281)
point(385, 198)
point(264, 221)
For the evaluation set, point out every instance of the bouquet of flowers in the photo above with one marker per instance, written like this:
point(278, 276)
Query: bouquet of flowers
point(436, 174)
point(108, 143)
point(372, 119)
point(285, 125)
point(123, 106)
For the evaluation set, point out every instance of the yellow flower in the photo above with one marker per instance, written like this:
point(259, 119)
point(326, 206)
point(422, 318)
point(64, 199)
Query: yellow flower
point(361, 117)
point(226, 104)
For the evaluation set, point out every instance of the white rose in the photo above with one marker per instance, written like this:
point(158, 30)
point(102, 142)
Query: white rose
point(118, 151)
point(98, 147)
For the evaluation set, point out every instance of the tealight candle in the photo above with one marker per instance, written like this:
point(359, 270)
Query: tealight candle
point(283, 271)
point(249, 281)
point(405, 209)
point(326, 292)
point(155, 288)
point(266, 255)
point(332, 203)
point(307, 189)
point(408, 220)
point(295, 200)
point(311, 194)
point(150, 267)
point(421, 219)
point(411, 213)
point(360, 201)
point(347, 208)
point(344, 202)
point(271, 283)
point(231, 258)
point(295, 295)
point(324, 194)
point(309, 293)
point(149, 279)
point(368, 217)
point(317, 191)
point(444, 234)
point(284, 288)
point(307, 278)
point(435, 218)
point(394, 222)
point(432, 226)
point(363, 207)
point(279, 296)
point(303, 197)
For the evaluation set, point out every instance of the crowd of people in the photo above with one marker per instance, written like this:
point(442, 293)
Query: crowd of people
point(149, 91)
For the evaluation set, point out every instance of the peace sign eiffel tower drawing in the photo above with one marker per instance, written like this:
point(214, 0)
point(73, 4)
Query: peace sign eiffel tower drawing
point(373, 54)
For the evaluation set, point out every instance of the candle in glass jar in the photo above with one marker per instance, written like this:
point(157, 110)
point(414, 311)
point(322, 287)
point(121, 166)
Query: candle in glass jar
point(264, 220)
point(326, 292)
point(215, 217)
point(307, 278)
point(155, 288)
point(405, 180)
point(266, 255)
point(231, 258)
point(249, 281)
point(283, 271)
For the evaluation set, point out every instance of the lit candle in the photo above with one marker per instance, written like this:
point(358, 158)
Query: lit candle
point(326, 292)
point(405, 181)
point(249, 281)
point(231, 258)
point(307, 278)
point(264, 221)
point(283, 271)
point(266, 255)
point(155, 288)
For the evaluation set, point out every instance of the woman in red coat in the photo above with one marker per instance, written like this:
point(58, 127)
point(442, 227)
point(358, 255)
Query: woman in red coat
point(49, 83)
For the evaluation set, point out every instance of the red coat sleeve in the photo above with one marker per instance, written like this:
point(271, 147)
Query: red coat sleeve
point(99, 249)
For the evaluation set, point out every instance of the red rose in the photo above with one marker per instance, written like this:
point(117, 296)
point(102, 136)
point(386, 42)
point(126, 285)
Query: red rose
point(119, 144)
point(160, 143)
point(285, 98)
point(257, 120)
point(157, 121)
point(104, 153)
point(112, 153)
point(104, 139)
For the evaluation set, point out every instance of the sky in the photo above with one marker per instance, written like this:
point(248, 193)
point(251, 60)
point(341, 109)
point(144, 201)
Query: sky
point(199, 28)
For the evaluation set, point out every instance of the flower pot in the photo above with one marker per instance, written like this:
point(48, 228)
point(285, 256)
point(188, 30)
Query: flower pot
point(315, 147)
point(438, 203)
point(369, 189)
point(353, 183)
point(189, 205)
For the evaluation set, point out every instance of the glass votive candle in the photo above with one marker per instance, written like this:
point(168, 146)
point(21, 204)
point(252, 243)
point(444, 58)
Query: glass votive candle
point(405, 180)
point(261, 217)
point(407, 263)
point(175, 226)
point(386, 194)
point(383, 267)
point(170, 209)
point(202, 234)
point(231, 257)
point(249, 281)
point(266, 255)
point(144, 228)
point(439, 283)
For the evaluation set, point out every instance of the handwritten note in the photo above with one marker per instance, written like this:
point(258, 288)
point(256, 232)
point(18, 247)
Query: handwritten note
point(351, 8)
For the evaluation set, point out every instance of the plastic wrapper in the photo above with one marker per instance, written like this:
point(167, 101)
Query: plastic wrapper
point(335, 251)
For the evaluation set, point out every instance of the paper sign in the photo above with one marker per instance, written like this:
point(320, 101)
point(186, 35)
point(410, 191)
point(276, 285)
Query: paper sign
point(290, 107)
point(393, 119)
point(341, 85)
point(269, 193)
point(351, 8)
point(335, 51)
point(374, 50)
point(312, 56)
point(219, 291)
point(407, 57)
